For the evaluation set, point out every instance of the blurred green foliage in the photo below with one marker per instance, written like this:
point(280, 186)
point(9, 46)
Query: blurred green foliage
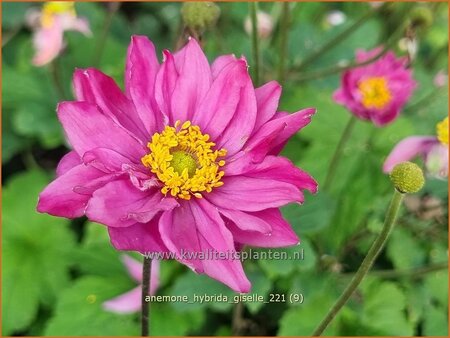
point(56, 273)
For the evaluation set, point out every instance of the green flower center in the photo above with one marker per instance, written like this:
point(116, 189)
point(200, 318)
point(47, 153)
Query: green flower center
point(182, 160)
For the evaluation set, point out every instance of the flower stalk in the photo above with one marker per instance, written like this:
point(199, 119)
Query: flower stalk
point(255, 44)
point(367, 263)
point(335, 41)
point(338, 153)
point(145, 312)
point(284, 29)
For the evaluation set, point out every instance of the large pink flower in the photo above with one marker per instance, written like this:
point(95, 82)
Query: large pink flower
point(186, 161)
point(377, 91)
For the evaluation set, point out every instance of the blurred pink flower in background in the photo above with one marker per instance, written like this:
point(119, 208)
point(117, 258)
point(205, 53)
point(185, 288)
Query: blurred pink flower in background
point(378, 91)
point(440, 79)
point(264, 25)
point(187, 161)
point(131, 301)
point(433, 150)
point(49, 25)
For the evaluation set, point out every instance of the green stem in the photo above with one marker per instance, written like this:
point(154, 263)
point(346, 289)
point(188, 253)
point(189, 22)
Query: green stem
point(426, 100)
point(412, 273)
point(367, 263)
point(55, 73)
point(338, 153)
point(255, 44)
point(145, 311)
point(100, 46)
point(335, 69)
point(338, 38)
point(284, 29)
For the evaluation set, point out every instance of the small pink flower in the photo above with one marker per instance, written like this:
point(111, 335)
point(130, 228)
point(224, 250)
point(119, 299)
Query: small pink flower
point(440, 79)
point(50, 24)
point(131, 301)
point(186, 161)
point(433, 150)
point(378, 91)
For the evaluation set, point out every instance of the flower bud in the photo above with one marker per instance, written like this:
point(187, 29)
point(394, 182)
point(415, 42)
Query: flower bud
point(264, 25)
point(407, 177)
point(421, 17)
point(199, 16)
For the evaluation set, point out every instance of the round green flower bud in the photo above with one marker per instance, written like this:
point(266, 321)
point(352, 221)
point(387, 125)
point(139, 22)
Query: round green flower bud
point(407, 177)
point(200, 15)
point(421, 17)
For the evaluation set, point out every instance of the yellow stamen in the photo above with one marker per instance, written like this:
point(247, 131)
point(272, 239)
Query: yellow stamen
point(184, 161)
point(375, 92)
point(442, 131)
point(52, 8)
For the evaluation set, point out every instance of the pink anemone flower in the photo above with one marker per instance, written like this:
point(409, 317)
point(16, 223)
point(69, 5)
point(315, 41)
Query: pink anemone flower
point(185, 163)
point(377, 91)
point(131, 301)
point(50, 23)
point(433, 150)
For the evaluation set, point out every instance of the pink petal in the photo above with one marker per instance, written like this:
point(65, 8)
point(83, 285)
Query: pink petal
point(267, 98)
point(69, 160)
point(281, 234)
point(241, 125)
point(81, 25)
point(282, 169)
point(165, 84)
point(288, 124)
point(193, 82)
point(125, 303)
point(178, 232)
point(48, 43)
point(221, 101)
point(140, 76)
point(253, 194)
point(407, 149)
point(106, 160)
point(94, 87)
point(214, 236)
point(67, 195)
point(121, 204)
point(87, 128)
point(141, 237)
point(246, 221)
point(220, 63)
point(133, 267)
point(436, 161)
point(131, 301)
point(244, 160)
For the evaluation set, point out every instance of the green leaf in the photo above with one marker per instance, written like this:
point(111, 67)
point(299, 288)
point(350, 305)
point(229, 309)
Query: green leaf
point(404, 250)
point(311, 217)
point(261, 286)
point(191, 284)
point(302, 319)
point(384, 309)
point(435, 321)
point(166, 321)
point(79, 310)
point(36, 252)
point(299, 257)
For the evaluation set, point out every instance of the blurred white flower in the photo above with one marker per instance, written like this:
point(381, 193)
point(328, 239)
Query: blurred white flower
point(264, 25)
point(335, 18)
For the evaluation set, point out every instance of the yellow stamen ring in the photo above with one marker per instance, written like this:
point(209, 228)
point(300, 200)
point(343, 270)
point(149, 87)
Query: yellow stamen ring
point(184, 160)
point(375, 92)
